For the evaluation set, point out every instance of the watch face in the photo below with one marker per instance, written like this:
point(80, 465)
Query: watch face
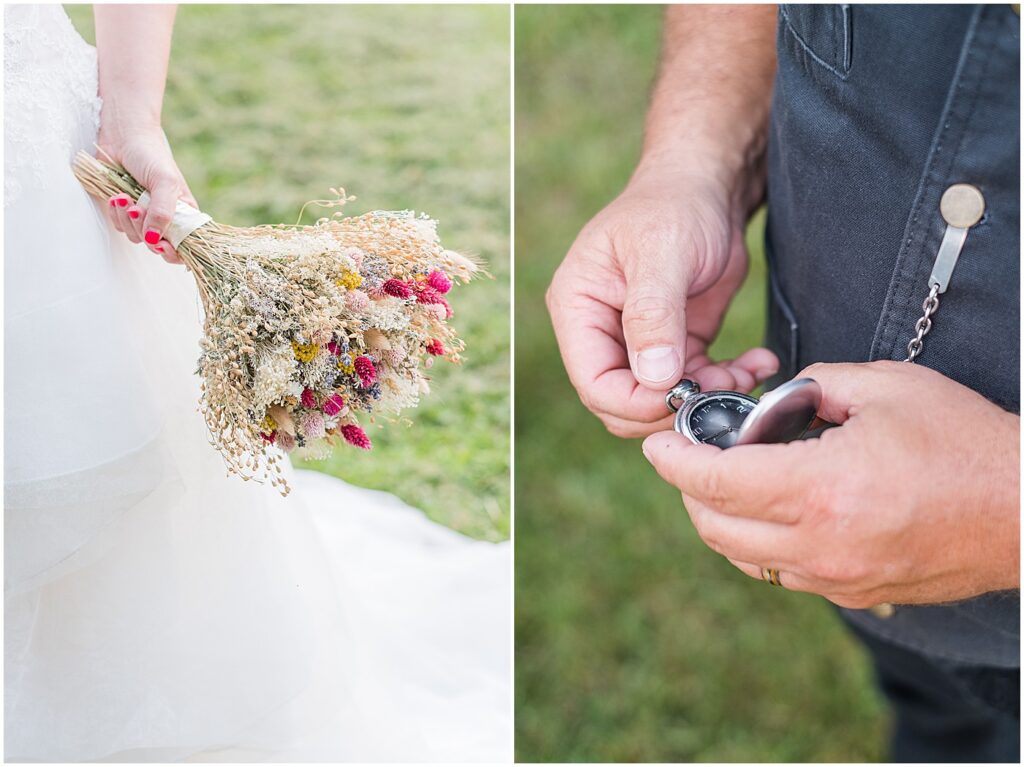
point(717, 417)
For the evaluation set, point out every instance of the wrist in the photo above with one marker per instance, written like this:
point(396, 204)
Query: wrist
point(119, 122)
point(728, 175)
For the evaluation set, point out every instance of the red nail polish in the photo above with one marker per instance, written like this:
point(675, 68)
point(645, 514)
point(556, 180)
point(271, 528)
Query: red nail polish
point(122, 201)
point(133, 213)
point(113, 202)
point(152, 236)
point(158, 248)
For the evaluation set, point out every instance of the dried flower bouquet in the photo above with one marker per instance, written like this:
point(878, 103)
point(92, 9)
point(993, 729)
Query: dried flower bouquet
point(307, 327)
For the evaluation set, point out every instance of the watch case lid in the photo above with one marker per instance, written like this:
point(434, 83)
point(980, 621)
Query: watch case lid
point(783, 414)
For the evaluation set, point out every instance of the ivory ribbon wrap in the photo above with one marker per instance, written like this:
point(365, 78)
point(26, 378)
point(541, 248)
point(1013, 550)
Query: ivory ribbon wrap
point(186, 220)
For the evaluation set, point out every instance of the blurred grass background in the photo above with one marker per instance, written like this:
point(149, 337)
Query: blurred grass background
point(268, 106)
point(634, 642)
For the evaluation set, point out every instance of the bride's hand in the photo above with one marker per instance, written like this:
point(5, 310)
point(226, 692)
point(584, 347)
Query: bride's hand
point(146, 154)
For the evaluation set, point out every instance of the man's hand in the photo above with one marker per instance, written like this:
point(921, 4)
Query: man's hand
point(620, 309)
point(914, 499)
point(643, 290)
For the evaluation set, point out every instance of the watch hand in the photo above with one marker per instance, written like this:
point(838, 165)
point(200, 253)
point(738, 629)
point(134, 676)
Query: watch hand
point(726, 430)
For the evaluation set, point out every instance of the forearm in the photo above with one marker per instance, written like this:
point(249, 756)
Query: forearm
point(133, 43)
point(710, 105)
point(998, 514)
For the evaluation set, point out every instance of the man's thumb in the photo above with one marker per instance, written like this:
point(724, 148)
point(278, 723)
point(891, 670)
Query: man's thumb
point(654, 327)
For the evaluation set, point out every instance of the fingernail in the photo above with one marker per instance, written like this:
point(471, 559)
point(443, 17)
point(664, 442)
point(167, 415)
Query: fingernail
point(122, 201)
point(113, 202)
point(133, 213)
point(152, 236)
point(658, 364)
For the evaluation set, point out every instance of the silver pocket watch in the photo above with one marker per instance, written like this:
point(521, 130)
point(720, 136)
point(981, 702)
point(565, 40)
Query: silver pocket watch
point(728, 418)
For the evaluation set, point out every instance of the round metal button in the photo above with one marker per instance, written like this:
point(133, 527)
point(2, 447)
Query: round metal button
point(962, 205)
point(883, 610)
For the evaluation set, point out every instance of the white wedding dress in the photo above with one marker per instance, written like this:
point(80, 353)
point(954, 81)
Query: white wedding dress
point(155, 609)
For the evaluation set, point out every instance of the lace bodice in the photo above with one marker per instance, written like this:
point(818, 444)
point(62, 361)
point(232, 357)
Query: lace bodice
point(51, 101)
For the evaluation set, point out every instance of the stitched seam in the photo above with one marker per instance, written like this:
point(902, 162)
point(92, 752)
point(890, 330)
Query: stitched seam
point(887, 331)
point(847, 37)
point(923, 267)
point(842, 75)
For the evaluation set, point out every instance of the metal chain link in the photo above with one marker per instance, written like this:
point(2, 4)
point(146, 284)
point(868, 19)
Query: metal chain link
point(923, 325)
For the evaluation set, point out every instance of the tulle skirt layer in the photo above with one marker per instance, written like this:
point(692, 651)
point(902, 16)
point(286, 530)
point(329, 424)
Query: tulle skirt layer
point(158, 609)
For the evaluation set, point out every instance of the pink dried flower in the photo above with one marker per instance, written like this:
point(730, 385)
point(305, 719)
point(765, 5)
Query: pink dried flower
point(396, 288)
point(357, 300)
point(308, 399)
point(393, 356)
point(435, 347)
point(366, 371)
point(354, 435)
point(439, 281)
point(312, 425)
point(320, 336)
point(429, 295)
point(425, 294)
point(269, 438)
point(334, 349)
point(333, 405)
point(286, 442)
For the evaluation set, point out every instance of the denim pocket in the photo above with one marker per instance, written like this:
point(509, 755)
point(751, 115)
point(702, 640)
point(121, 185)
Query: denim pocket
point(821, 34)
point(783, 334)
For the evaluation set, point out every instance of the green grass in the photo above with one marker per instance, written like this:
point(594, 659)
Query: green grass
point(634, 642)
point(406, 107)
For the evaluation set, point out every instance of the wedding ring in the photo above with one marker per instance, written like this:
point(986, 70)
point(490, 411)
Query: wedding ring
point(770, 575)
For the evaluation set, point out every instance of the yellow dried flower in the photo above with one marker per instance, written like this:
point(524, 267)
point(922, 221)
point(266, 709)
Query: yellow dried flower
point(305, 352)
point(268, 425)
point(346, 367)
point(349, 280)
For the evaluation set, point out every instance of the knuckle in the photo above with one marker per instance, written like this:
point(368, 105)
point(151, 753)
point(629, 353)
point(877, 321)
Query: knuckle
point(831, 568)
point(552, 295)
point(715, 493)
point(649, 313)
point(588, 400)
point(812, 369)
point(712, 543)
point(839, 568)
point(163, 178)
point(158, 218)
point(827, 504)
point(616, 429)
point(704, 530)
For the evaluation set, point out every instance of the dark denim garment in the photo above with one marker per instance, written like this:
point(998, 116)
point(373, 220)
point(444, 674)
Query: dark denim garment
point(877, 110)
point(944, 712)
